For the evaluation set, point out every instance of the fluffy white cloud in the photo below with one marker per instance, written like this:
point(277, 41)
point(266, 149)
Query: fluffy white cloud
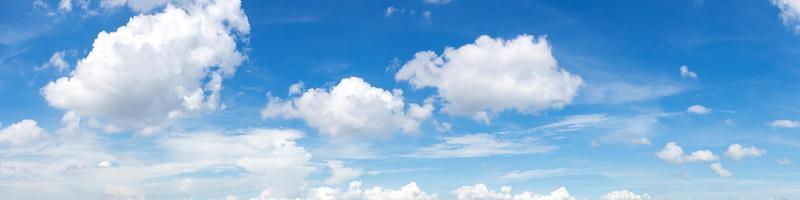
point(481, 192)
point(698, 109)
point(625, 195)
point(21, 132)
point(738, 152)
point(157, 67)
point(408, 192)
point(494, 75)
point(790, 12)
point(351, 109)
point(673, 153)
point(480, 145)
point(784, 123)
point(722, 172)
point(686, 73)
point(340, 173)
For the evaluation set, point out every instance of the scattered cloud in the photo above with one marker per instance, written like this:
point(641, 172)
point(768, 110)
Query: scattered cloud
point(686, 73)
point(784, 123)
point(674, 154)
point(296, 88)
point(170, 65)
point(698, 109)
point(575, 122)
point(340, 173)
point(610, 92)
point(784, 161)
point(408, 192)
point(22, 132)
point(493, 75)
point(351, 109)
point(722, 172)
point(437, 2)
point(738, 152)
point(391, 10)
point(481, 192)
point(790, 13)
point(534, 173)
point(480, 145)
point(625, 195)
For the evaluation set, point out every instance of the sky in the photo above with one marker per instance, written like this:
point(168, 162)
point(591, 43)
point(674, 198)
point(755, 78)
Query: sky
point(399, 100)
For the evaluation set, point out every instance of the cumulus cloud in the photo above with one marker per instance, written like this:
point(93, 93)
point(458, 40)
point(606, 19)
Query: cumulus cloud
point(625, 195)
point(698, 109)
point(340, 173)
point(722, 172)
point(686, 73)
point(493, 75)
point(355, 192)
point(481, 192)
point(21, 132)
point(738, 152)
point(351, 109)
point(157, 67)
point(674, 154)
point(784, 123)
point(480, 145)
point(790, 12)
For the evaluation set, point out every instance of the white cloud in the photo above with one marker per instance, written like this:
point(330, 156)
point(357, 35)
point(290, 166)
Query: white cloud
point(104, 164)
point(136, 5)
point(784, 161)
point(784, 123)
point(442, 126)
point(575, 122)
point(698, 109)
point(65, 5)
point(674, 154)
point(22, 132)
point(480, 145)
point(625, 195)
point(493, 75)
point(340, 173)
point(408, 192)
point(481, 192)
point(437, 2)
point(296, 88)
point(722, 172)
point(390, 11)
point(351, 109)
point(156, 68)
point(790, 13)
point(686, 73)
point(57, 61)
point(534, 173)
point(738, 152)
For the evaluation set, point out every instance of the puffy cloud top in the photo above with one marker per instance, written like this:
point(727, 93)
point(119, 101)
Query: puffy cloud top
point(21, 132)
point(625, 195)
point(351, 109)
point(157, 67)
point(481, 192)
point(673, 153)
point(492, 75)
point(738, 152)
point(408, 192)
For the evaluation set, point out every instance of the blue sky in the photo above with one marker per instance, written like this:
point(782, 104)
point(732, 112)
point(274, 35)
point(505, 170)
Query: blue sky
point(415, 99)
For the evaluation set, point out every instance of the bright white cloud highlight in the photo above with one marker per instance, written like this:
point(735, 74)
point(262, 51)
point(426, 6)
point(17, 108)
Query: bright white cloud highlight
point(351, 109)
point(21, 132)
point(790, 13)
point(674, 154)
point(157, 67)
point(625, 195)
point(408, 192)
point(481, 192)
point(722, 172)
point(738, 152)
point(480, 145)
point(686, 73)
point(340, 173)
point(493, 75)
point(698, 109)
point(784, 123)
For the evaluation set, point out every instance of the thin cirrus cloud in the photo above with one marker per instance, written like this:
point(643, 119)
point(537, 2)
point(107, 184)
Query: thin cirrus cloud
point(148, 59)
point(492, 75)
point(480, 145)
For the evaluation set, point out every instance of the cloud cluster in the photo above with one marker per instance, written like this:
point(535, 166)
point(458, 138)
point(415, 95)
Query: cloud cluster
point(493, 75)
point(481, 192)
point(674, 154)
point(625, 195)
point(157, 67)
point(408, 192)
point(480, 145)
point(21, 133)
point(351, 109)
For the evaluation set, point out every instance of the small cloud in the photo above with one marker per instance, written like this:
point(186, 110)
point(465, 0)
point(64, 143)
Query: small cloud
point(724, 173)
point(104, 164)
point(427, 15)
point(737, 152)
point(436, 2)
point(784, 161)
point(674, 154)
point(686, 73)
point(391, 10)
point(296, 88)
point(341, 173)
point(698, 109)
point(784, 123)
point(534, 173)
